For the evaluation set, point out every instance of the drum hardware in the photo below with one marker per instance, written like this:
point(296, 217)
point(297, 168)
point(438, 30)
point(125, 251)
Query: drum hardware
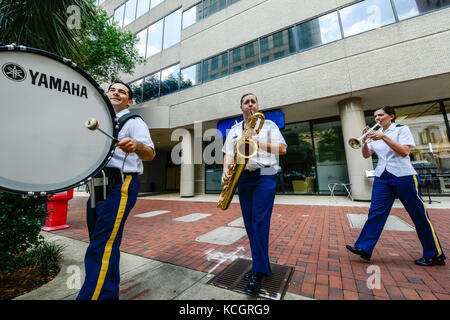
point(92, 124)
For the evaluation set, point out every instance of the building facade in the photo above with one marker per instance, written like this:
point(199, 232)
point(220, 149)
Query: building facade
point(327, 65)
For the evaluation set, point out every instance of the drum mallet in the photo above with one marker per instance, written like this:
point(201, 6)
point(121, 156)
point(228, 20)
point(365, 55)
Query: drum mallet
point(92, 124)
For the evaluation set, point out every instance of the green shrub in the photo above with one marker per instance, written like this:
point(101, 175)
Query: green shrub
point(46, 258)
point(21, 219)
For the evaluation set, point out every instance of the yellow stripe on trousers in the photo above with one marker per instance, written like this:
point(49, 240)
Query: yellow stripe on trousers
point(436, 242)
point(109, 244)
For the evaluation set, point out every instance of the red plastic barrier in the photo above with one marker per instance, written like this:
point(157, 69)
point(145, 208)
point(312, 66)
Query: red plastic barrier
point(58, 216)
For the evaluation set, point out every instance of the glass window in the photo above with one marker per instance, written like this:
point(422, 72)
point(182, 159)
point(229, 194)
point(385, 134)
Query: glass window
point(118, 15)
point(319, 31)
point(136, 88)
point(192, 15)
point(130, 12)
point(151, 87)
point(172, 29)
point(154, 3)
point(277, 45)
point(215, 67)
point(154, 39)
point(298, 172)
point(141, 45)
point(230, 2)
point(212, 6)
point(330, 155)
point(190, 76)
point(432, 151)
point(169, 79)
point(142, 7)
point(411, 8)
point(245, 56)
point(366, 15)
point(213, 177)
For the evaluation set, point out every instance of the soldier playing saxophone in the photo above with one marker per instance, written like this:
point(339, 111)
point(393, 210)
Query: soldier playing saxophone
point(256, 187)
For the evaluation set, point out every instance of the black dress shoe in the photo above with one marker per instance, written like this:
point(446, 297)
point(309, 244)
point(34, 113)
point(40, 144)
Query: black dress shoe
point(248, 275)
point(254, 284)
point(364, 255)
point(427, 262)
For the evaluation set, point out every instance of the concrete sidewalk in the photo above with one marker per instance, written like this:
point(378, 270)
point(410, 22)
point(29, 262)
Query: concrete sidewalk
point(173, 246)
point(141, 279)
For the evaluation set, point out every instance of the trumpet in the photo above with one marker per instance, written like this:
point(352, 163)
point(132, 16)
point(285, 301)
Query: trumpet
point(357, 143)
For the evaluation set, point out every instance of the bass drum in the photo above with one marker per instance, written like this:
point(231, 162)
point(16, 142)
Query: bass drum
point(45, 145)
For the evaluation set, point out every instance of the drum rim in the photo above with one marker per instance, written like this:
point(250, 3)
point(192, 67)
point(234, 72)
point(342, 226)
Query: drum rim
point(88, 77)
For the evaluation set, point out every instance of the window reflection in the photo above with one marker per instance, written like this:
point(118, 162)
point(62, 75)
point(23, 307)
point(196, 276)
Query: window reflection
point(366, 15)
point(142, 7)
point(245, 56)
point(169, 79)
point(212, 6)
point(192, 15)
point(141, 45)
point(330, 154)
point(154, 40)
point(130, 12)
point(190, 76)
point(411, 8)
point(118, 15)
point(432, 152)
point(215, 67)
point(154, 3)
point(319, 31)
point(277, 45)
point(297, 173)
point(136, 88)
point(151, 87)
point(172, 29)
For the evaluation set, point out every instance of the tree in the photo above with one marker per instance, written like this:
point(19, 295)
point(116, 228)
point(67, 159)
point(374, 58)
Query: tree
point(75, 29)
point(109, 50)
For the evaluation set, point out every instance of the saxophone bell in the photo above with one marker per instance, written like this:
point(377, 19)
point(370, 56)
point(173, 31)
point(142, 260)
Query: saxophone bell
point(245, 149)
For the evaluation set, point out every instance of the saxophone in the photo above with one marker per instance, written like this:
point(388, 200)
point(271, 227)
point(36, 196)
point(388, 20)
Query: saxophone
point(245, 149)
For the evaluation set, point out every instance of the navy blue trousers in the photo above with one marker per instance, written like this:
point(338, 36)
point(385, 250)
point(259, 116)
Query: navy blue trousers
point(385, 189)
point(256, 196)
point(105, 225)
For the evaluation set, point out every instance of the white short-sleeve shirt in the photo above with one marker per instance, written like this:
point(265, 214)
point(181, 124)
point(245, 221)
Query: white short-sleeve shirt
point(135, 129)
point(389, 159)
point(269, 133)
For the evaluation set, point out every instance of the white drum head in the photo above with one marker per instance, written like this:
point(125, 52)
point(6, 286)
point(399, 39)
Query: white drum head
point(45, 145)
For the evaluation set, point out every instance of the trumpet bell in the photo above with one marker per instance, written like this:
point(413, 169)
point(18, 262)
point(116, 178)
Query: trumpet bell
point(354, 143)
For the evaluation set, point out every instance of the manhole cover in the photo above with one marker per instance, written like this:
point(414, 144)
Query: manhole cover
point(273, 287)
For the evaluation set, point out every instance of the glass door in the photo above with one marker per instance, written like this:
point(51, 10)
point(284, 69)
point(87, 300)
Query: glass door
point(298, 173)
point(330, 155)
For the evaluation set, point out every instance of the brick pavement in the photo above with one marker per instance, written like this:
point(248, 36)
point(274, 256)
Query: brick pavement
point(311, 239)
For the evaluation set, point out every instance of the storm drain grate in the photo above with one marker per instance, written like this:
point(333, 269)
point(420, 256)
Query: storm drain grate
point(273, 287)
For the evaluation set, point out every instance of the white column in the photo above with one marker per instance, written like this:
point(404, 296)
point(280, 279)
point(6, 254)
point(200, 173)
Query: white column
point(187, 174)
point(353, 123)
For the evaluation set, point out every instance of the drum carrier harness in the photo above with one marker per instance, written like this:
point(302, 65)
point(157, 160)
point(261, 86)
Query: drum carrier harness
point(101, 185)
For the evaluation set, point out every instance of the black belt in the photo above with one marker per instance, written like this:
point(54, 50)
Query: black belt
point(113, 177)
point(257, 170)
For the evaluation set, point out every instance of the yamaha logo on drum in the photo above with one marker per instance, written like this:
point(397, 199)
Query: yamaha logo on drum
point(14, 72)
